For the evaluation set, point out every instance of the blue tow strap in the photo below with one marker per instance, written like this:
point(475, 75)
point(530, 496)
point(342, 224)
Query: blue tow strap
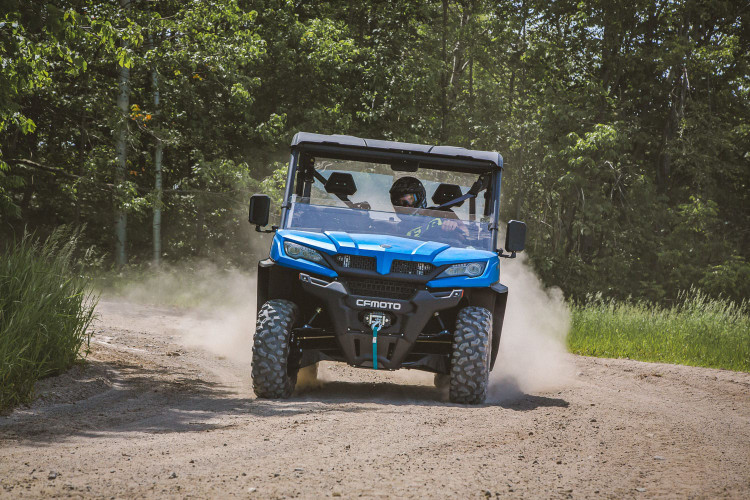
point(375, 329)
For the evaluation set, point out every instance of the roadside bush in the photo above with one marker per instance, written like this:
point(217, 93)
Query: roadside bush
point(697, 331)
point(45, 311)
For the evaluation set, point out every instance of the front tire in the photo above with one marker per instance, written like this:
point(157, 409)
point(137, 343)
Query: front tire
point(272, 375)
point(470, 360)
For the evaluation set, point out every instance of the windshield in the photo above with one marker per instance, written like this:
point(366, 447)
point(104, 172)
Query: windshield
point(425, 225)
point(359, 197)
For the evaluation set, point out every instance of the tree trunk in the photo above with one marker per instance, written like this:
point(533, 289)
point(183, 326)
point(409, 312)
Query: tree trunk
point(522, 94)
point(157, 173)
point(121, 149)
point(157, 202)
point(458, 66)
point(444, 76)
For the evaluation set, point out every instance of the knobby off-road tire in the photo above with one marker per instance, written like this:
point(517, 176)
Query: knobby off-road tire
point(470, 361)
point(271, 344)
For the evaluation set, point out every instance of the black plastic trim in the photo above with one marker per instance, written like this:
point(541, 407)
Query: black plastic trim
point(449, 163)
point(308, 140)
point(361, 273)
point(397, 340)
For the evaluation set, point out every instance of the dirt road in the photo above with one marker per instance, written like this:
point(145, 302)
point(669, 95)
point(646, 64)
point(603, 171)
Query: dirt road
point(154, 415)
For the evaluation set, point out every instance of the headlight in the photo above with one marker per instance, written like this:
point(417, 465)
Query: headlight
point(470, 269)
point(297, 251)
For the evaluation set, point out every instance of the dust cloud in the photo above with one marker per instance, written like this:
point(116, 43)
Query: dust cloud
point(217, 304)
point(533, 356)
point(217, 314)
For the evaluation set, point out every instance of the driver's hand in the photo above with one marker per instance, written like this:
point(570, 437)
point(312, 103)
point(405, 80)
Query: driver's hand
point(449, 225)
point(452, 225)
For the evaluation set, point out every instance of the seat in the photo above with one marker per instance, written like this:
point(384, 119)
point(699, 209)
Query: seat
point(341, 184)
point(446, 193)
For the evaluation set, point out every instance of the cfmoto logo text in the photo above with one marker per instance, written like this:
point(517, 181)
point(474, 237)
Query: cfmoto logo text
point(380, 304)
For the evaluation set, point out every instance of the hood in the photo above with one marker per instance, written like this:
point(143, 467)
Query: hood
point(386, 249)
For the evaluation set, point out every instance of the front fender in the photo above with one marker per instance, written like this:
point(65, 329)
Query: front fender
point(498, 315)
point(493, 298)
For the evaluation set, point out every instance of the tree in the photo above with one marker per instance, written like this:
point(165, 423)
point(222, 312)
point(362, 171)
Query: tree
point(623, 129)
point(121, 148)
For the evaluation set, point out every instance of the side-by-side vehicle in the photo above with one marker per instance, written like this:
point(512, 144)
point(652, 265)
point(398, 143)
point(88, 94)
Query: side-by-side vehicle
point(386, 257)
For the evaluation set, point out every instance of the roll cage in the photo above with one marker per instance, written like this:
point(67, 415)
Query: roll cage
point(402, 157)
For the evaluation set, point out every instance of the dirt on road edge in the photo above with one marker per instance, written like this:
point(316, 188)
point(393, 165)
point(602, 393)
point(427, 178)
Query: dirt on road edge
point(152, 414)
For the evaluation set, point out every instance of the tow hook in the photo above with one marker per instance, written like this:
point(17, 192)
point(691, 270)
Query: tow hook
point(376, 321)
point(375, 328)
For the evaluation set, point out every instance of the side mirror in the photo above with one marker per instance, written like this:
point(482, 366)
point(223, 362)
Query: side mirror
point(260, 206)
point(515, 237)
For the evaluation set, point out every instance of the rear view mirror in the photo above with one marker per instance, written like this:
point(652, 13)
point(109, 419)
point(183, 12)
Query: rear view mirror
point(515, 236)
point(260, 206)
point(405, 166)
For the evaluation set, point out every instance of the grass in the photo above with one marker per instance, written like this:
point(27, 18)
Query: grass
point(697, 331)
point(45, 312)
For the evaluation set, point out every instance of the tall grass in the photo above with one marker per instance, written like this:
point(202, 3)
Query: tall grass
point(45, 312)
point(697, 331)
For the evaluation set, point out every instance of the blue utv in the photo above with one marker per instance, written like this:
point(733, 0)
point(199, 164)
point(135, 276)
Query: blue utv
point(386, 257)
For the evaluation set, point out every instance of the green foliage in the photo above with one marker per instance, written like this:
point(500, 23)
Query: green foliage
point(624, 130)
point(696, 331)
point(274, 184)
point(46, 309)
point(730, 278)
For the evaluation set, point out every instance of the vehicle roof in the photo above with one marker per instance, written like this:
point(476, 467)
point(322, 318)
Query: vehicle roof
point(405, 150)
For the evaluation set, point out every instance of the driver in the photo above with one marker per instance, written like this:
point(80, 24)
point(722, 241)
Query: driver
point(409, 192)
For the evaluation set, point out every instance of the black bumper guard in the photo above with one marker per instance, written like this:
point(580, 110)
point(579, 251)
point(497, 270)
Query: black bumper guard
point(394, 341)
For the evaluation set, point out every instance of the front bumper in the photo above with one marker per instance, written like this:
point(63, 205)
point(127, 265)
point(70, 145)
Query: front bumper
point(347, 312)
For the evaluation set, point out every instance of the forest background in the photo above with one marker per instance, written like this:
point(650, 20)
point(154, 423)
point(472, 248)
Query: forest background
point(624, 126)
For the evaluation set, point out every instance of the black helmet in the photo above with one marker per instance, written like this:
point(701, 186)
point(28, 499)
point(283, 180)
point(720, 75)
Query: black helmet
point(408, 185)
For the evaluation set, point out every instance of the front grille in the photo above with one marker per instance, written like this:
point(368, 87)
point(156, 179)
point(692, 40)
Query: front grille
point(408, 267)
point(381, 288)
point(356, 262)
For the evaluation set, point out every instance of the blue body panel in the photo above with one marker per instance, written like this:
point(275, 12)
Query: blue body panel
point(386, 249)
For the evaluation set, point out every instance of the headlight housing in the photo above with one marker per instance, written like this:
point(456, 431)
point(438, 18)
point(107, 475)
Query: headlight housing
point(470, 269)
point(297, 251)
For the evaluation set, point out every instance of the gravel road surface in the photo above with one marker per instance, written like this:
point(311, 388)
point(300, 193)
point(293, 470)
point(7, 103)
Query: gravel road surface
point(151, 415)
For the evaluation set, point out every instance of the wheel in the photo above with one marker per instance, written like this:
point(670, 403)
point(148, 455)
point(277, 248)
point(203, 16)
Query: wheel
point(470, 360)
point(273, 377)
